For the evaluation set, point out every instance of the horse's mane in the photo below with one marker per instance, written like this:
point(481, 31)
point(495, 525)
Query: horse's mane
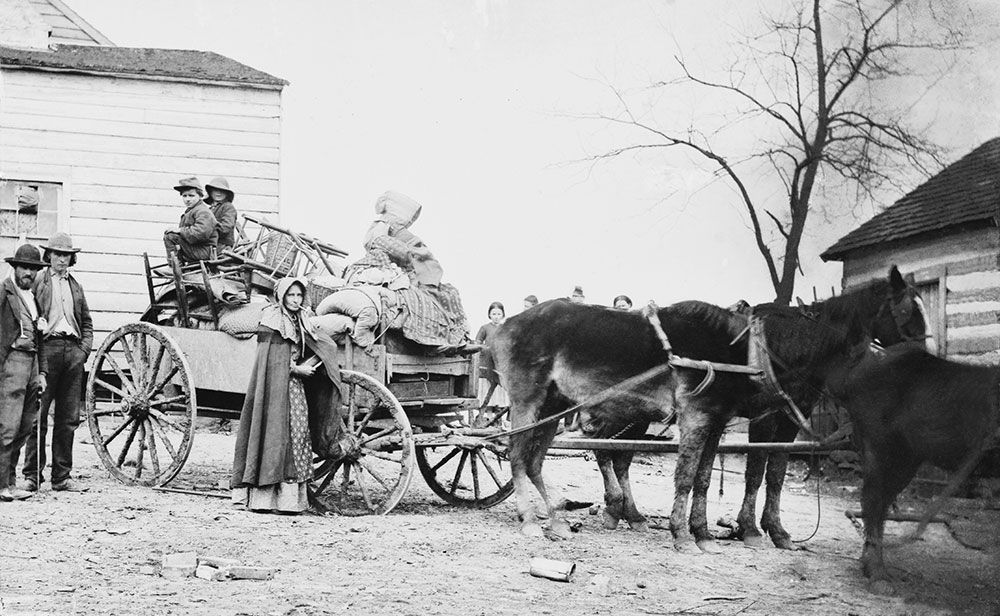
point(710, 315)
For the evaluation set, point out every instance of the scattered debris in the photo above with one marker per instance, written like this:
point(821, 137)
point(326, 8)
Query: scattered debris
point(599, 585)
point(179, 565)
point(217, 562)
point(250, 573)
point(147, 569)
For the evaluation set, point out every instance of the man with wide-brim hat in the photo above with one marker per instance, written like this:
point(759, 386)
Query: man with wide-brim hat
point(22, 365)
point(220, 198)
point(67, 337)
point(196, 236)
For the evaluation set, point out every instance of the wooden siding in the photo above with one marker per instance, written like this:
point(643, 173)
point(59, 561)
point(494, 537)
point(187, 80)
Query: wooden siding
point(966, 267)
point(118, 146)
point(67, 27)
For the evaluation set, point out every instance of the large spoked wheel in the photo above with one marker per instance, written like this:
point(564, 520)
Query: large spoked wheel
point(468, 471)
point(141, 405)
point(376, 467)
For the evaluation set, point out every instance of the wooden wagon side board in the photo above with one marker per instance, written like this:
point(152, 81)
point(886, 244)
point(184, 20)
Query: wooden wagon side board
point(219, 361)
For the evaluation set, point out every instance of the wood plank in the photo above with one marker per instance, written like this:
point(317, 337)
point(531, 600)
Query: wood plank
point(129, 302)
point(87, 195)
point(144, 101)
point(111, 85)
point(973, 346)
point(162, 214)
point(138, 131)
point(969, 319)
point(133, 178)
point(113, 283)
point(412, 364)
point(29, 153)
point(107, 245)
point(110, 321)
point(130, 145)
point(71, 36)
point(976, 295)
point(180, 119)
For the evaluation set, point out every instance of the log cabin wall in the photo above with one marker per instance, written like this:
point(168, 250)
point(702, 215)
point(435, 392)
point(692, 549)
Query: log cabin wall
point(104, 152)
point(959, 272)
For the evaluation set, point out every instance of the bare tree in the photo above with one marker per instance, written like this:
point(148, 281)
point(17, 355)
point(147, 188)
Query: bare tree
point(816, 92)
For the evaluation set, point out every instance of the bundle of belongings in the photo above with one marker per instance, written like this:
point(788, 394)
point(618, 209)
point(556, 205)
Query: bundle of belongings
point(396, 286)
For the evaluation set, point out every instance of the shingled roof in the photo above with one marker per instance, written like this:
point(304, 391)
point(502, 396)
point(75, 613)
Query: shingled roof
point(179, 64)
point(967, 191)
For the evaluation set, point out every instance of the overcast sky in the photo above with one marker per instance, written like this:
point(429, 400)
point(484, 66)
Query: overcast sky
point(474, 109)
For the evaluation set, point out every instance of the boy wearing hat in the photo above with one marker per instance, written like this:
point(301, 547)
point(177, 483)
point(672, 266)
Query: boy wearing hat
point(196, 234)
point(220, 199)
point(67, 334)
point(22, 365)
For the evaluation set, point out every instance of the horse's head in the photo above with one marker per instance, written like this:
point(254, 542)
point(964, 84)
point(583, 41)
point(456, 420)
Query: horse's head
point(902, 316)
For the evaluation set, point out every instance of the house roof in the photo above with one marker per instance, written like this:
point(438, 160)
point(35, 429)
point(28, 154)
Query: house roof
point(967, 191)
point(67, 26)
point(138, 62)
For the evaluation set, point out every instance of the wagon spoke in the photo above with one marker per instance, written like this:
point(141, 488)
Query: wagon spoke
point(125, 381)
point(351, 408)
point(329, 476)
point(117, 431)
point(383, 456)
point(109, 387)
point(155, 366)
point(489, 469)
point(475, 474)
point(171, 400)
point(458, 471)
point(364, 422)
point(163, 382)
point(142, 448)
point(139, 340)
point(137, 374)
point(158, 430)
point(445, 459)
point(379, 434)
point(128, 443)
point(371, 471)
point(164, 419)
point(116, 409)
point(346, 480)
point(153, 456)
point(364, 490)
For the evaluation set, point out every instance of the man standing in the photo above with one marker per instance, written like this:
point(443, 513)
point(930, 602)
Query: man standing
point(22, 366)
point(197, 233)
point(68, 334)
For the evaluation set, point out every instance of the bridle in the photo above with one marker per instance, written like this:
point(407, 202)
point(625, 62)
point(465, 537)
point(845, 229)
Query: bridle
point(900, 307)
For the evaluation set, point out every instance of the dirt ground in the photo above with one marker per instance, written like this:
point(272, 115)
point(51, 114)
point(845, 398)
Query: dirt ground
point(81, 553)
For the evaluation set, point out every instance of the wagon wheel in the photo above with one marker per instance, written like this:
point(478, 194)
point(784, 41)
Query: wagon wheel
point(377, 466)
point(141, 405)
point(468, 471)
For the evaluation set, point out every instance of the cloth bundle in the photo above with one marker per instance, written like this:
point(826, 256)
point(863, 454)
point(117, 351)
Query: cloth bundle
point(363, 303)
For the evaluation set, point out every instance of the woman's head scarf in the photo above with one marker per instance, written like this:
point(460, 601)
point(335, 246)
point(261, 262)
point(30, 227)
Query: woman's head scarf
point(278, 318)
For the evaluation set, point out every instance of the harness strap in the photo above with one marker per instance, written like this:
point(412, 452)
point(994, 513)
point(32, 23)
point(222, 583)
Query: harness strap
point(759, 356)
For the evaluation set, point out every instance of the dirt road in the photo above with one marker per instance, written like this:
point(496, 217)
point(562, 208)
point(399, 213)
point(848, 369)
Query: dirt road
point(82, 553)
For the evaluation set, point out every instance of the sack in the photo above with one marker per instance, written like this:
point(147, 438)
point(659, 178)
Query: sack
point(351, 301)
point(242, 321)
point(333, 325)
point(396, 207)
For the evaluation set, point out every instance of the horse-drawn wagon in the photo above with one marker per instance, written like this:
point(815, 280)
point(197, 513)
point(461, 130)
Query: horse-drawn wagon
point(151, 379)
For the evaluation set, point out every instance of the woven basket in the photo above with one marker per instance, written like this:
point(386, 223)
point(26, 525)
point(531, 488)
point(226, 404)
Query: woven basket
point(279, 253)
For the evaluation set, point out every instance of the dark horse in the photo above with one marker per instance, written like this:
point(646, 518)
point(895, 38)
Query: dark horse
point(561, 354)
point(909, 407)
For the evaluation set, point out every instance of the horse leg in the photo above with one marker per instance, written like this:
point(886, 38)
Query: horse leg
point(694, 424)
point(636, 521)
point(884, 479)
point(613, 493)
point(557, 524)
point(777, 465)
point(527, 452)
point(761, 430)
point(702, 481)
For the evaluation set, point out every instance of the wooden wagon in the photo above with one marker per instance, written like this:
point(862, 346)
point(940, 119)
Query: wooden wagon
point(151, 379)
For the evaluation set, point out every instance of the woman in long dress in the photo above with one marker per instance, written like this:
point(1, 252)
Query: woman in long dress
point(272, 465)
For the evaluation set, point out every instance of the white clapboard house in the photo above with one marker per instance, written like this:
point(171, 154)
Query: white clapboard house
point(946, 233)
point(93, 137)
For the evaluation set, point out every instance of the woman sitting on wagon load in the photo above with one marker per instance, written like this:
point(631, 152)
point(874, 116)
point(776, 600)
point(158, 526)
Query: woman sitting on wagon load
point(273, 461)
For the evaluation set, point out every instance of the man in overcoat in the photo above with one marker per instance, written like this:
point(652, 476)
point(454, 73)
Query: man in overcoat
point(68, 335)
point(22, 365)
point(197, 234)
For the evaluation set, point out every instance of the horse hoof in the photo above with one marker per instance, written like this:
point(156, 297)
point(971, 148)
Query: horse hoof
point(755, 542)
point(784, 543)
point(532, 529)
point(882, 587)
point(687, 546)
point(608, 521)
point(639, 525)
point(709, 546)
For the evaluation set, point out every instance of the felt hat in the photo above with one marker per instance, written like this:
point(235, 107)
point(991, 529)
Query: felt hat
point(189, 183)
point(219, 184)
point(577, 291)
point(27, 255)
point(61, 242)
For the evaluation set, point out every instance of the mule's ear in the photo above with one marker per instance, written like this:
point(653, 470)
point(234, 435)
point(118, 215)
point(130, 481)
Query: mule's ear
point(896, 279)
